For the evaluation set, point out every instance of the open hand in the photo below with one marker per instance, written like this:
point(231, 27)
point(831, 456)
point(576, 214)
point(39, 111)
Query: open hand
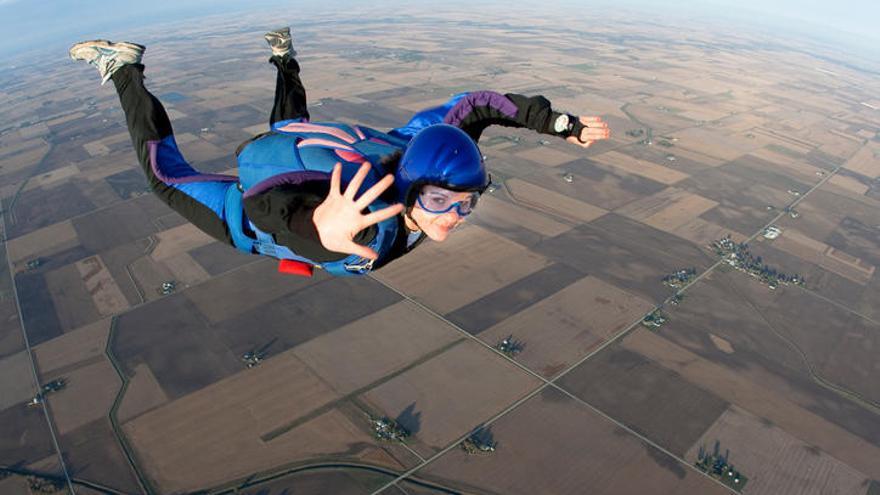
point(338, 218)
point(594, 130)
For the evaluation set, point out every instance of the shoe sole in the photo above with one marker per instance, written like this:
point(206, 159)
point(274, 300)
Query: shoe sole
point(283, 32)
point(122, 46)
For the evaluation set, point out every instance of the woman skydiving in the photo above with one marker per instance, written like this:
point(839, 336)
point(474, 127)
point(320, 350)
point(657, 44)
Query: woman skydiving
point(345, 198)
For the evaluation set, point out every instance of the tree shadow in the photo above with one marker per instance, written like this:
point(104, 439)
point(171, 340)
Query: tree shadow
point(482, 435)
point(410, 419)
point(263, 350)
point(665, 461)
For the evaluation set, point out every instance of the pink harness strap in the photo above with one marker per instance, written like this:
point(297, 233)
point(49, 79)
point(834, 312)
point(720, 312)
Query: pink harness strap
point(324, 142)
point(322, 129)
point(350, 156)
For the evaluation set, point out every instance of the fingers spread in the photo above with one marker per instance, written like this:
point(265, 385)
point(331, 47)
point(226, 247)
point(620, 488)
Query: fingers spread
point(590, 120)
point(357, 180)
point(374, 192)
point(383, 214)
point(336, 179)
point(591, 134)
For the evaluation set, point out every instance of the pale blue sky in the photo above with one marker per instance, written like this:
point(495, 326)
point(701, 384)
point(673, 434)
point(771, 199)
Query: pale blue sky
point(29, 23)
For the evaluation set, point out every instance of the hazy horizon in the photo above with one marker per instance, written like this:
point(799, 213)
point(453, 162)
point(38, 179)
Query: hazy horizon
point(847, 25)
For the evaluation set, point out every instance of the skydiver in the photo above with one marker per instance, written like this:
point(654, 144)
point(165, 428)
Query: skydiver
point(296, 197)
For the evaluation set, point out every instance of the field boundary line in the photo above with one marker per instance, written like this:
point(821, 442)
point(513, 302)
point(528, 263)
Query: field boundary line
point(545, 383)
point(811, 369)
point(112, 414)
point(32, 359)
point(617, 337)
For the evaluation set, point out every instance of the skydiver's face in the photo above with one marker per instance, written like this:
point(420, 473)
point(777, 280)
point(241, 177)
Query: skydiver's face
point(437, 226)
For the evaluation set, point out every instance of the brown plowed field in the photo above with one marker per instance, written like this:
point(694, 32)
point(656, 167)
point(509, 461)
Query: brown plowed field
point(185, 270)
point(843, 347)
point(73, 303)
point(650, 399)
point(143, 393)
point(16, 380)
point(553, 445)
point(106, 295)
point(74, 346)
point(775, 462)
point(231, 449)
point(760, 400)
point(56, 237)
point(178, 240)
point(374, 346)
point(560, 329)
point(865, 161)
point(260, 281)
point(324, 481)
point(447, 396)
point(628, 164)
point(547, 157)
point(216, 434)
point(499, 214)
point(434, 273)
point(93, 453)
point(591, 182)
point(625, 253)
point(553, 202)
point(668, 210)
point(89, 393)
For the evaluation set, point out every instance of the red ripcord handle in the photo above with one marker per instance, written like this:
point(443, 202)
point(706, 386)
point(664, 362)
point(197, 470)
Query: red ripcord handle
point(292, 267)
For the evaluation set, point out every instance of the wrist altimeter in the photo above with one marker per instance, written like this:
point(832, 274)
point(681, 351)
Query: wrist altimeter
point(567, 125)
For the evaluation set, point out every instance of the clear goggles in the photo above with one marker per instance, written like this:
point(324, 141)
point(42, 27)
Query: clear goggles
point(435, 199)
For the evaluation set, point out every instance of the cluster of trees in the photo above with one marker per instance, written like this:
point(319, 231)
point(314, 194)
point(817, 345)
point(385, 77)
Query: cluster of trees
point(655, 319)
point(718, 466)
point(44, 485)
point(740, 257)
point(680, 278)
point(388, 430)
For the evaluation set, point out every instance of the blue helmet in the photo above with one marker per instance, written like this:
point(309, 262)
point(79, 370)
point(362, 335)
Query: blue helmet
point(440, 155)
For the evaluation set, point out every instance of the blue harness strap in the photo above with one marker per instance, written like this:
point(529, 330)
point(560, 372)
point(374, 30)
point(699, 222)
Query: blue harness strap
point(264, 243)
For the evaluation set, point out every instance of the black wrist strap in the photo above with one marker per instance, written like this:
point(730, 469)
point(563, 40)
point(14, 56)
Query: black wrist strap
point(574, 128)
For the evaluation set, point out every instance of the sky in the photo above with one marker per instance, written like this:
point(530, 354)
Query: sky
point(26, 24)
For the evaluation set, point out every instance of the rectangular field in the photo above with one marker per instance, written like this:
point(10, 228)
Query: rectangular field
point(450, 394)
point(364, 345)
point(81, 344)
point(775, 462)
point(759, 400)
point(563, 327)
point(553, 202)
point(473, 254)
point(647, 397)
point(537, 443)
point(668, 210)
point(625, 253)
point(630, 165)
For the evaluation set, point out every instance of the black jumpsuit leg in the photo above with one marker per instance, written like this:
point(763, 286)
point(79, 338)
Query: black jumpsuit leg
point(290, 95)
point(147, 121)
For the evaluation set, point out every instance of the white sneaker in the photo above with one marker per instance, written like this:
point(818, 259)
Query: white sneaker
point(279, 41)
point(107, 56)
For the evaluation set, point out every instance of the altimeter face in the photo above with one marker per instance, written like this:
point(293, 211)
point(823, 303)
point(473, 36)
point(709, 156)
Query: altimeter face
point(561, 124)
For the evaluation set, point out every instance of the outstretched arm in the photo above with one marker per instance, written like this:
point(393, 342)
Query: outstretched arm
point(476, 111)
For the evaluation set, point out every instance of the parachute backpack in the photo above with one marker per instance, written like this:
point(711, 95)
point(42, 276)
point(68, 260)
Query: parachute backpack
point(294, 152)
